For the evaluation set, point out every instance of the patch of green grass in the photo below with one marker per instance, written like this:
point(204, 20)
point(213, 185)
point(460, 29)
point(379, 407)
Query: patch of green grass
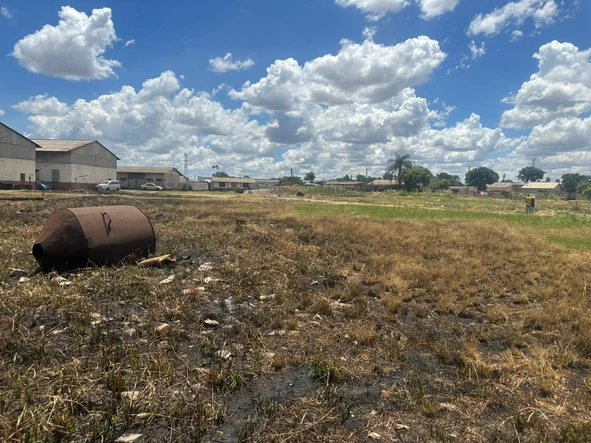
point(560, 220)
point(577, 243)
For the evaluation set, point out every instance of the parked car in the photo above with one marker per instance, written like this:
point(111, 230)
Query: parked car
point(109, 185)
point(40, 186)
point(151, 187)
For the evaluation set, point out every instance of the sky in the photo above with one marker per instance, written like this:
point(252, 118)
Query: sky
point(265, 87)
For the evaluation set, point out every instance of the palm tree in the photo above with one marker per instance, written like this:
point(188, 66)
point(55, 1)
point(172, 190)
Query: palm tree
point(398, 164)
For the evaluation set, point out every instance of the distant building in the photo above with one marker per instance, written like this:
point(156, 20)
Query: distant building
point(346, 185)
point(133, 177)
point(463, 190)
point(69, 164)
point(232, 184)
point(500, 189)
point(542, 188)
point(17, 157)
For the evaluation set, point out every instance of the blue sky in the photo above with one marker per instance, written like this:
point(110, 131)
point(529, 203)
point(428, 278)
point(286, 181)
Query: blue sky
point(334, 86)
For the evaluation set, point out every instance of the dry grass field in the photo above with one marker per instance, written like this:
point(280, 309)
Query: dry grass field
point(382, 318)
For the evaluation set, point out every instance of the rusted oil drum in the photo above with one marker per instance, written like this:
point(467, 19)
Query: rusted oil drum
point(94, 236)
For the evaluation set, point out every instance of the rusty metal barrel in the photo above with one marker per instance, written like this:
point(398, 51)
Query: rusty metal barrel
point(101, 235)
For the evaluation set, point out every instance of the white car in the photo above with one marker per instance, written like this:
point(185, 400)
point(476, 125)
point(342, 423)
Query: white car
point(151, 187)
point(109, 185)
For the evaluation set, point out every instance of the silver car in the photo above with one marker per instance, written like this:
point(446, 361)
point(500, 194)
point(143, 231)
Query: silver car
point(109, 185)
point(151, 187)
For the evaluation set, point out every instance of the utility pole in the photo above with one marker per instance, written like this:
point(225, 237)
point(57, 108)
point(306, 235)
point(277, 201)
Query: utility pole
point(291, 172)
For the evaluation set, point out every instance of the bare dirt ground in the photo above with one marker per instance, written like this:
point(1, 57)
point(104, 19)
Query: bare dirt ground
point(279, 327)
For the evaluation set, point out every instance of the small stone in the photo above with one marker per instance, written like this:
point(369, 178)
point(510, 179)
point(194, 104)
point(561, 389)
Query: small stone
point(168, 280)
point(211, 323)
point(162, 328)
point(131, 395)
point(205, 267)
point(373, 412)
point(23, 280)
point(224, 354)
point(128, 438)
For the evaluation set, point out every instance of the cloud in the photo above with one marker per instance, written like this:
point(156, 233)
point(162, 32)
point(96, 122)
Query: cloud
point(226, 64)
point(435, 8)
point(129, 43)
point(5, 12)
point(569, 135)
point(542, 12)
point(516, 35)
point(1, 112)
point(375, 9)
point(73, 49)
point(477, 51)
point(359, 73)
point(42, 105)
point(560, 88)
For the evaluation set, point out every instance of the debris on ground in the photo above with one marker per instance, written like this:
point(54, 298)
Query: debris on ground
point(157, 261)
point(168, 280)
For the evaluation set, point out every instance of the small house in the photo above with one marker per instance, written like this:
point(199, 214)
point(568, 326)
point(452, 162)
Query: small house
point(133, 177)
point(549, 188)
point(501, 189)
point(232, 184)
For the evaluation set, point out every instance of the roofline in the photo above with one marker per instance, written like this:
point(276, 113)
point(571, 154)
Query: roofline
point(23, 136)
point(73, 140)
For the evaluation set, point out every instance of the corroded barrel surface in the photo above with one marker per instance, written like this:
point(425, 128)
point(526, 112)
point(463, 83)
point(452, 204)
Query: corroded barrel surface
point(100, 235)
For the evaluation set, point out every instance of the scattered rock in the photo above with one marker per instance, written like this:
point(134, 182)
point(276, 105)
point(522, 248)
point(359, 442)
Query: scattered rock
point(211, 323)
point(162, 328)
point(205, 267)
point(128, 438)
point(131, 395)
point(23, 280)
point(168, 280)
point(224, 354)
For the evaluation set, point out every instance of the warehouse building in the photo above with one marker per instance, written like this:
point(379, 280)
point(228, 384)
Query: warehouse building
point(133, 177)
point(17, 158)
point(232, 184)
point(74, 164)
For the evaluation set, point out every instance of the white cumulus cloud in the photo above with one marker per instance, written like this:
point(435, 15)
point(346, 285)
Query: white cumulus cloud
point(5, 12)
point(435, 8)
point(1, 113)
point(375, 9)
point(542, 12)
point(227, 63)
point(42, 105)
point(73, 49)
point(129, 43)
point(359, 73)
point(560, 88)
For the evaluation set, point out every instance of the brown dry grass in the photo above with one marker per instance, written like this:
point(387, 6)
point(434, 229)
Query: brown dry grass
point(330, 329)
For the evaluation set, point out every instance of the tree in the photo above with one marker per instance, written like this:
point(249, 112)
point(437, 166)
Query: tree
point(310, 176)
point(480, 177)
point(291, 181)
point(397, 165)
point(570, 181)
point(416, 178)
point(220, 174)
point(584, 188)
point(345, 178)
point(388, 176)
point(530, 174)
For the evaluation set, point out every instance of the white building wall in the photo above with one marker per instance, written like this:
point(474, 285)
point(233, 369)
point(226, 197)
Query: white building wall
point(12, 168)
point(44, 173)
point(91, 174)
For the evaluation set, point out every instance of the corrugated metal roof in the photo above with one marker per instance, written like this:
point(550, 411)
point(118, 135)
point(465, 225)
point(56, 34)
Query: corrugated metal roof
point(540, 185)
point(61, 145)
point(232, 180)
point(145, 169)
